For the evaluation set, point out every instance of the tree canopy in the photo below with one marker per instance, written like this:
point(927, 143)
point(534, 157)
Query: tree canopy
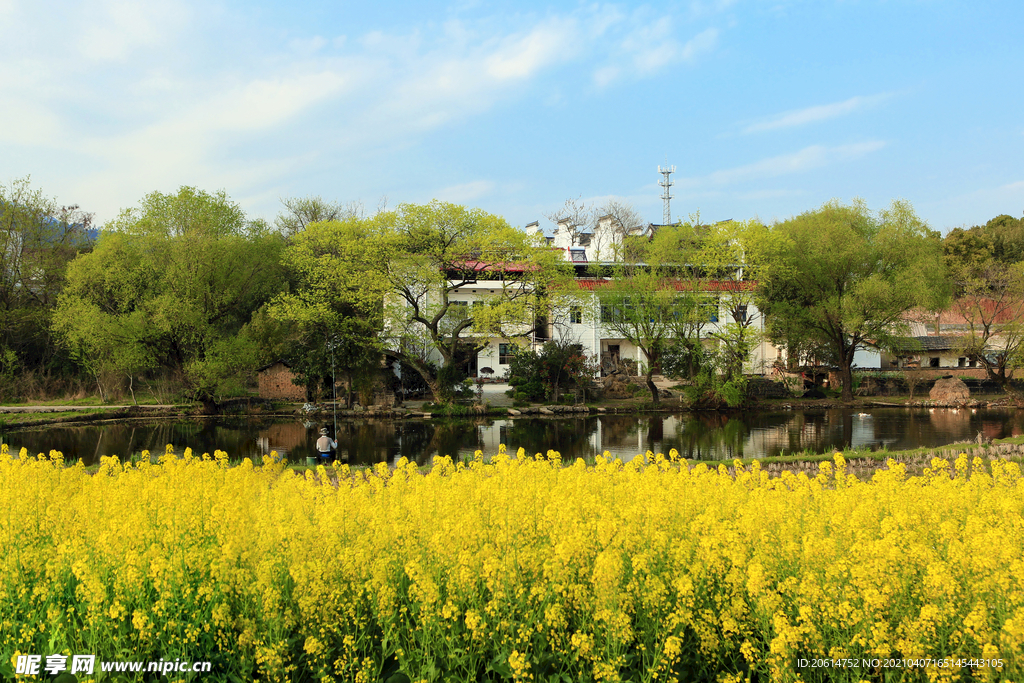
point(845, 277)
point(335, 304)
point(437, 250)
point(172, 283)
point(38, 239)
point(986, 270)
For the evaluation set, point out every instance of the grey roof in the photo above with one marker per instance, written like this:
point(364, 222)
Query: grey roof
point(932, 343)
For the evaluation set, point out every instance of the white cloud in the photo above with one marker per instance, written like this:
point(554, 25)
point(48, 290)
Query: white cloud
point(705, 41)
point(466, 192)
point(264, 104)
point(809, 158)
point(113, 29)
point(25, 122)
point(168, 92)
point(523, 56)
point(309, 46)
point(188, 144)
point(821, 112)
point(651, 47)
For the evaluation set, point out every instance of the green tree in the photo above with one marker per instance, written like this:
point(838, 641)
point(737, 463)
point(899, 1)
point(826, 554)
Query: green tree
point(173, 282)
point(560, 363)
point(639, 305)
point(734, 257)
point(1001, 240)
point(986, 268)
point(990, 301)
point(38, 239)
point(677, 250)
point(335, 304)
point(300, 212)
point(428, 253)
point(844, 278)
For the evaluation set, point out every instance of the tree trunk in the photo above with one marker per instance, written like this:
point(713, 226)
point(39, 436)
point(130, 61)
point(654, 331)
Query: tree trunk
point(424, 372)
point(1006, 384)
point(435, 389)
point(655, 397)
point(209, 405)
point(846, 378)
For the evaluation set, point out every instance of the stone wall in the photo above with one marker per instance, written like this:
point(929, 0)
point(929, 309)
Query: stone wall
point(760, 387)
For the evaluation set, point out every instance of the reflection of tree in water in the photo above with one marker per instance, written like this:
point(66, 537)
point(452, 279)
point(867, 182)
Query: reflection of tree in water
point(450, 437)
point(365, 442)
point(1016, 423)
point(413, 440)
point(568, 436)
point(696, 436)
point(128, 439)
point(708, 436)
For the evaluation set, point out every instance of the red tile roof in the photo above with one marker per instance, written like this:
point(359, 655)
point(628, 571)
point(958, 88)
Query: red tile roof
point(592, 284)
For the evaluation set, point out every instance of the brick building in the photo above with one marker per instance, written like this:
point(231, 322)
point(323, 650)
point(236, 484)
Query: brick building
point(275, 381)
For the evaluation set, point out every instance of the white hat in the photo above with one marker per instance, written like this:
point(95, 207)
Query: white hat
point(323, 430)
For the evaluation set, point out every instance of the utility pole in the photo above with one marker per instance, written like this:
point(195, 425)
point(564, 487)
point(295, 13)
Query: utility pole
point(666, 197)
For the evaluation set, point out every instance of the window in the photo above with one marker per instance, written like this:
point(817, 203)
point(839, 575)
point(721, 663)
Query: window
point(961, 362)
point(710, 308)
point(934, 361)
point(606, 313)
point(740, 314)
point(575, 315)
point(505, 352)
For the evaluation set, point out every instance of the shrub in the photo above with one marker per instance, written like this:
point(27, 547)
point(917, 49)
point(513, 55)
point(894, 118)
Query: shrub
point(559, 366)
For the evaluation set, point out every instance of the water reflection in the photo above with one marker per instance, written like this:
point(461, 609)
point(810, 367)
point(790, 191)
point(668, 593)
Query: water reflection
point(703, 436)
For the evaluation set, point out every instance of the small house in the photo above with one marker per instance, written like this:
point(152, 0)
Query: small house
point(275, 382)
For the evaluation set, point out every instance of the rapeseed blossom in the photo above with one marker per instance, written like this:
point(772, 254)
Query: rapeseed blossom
point(518, 568)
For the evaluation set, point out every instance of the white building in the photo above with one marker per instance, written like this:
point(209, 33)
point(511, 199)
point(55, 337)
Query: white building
point(582, 323)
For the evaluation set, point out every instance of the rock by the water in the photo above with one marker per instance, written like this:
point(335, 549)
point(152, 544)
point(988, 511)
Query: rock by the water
point(949, 390)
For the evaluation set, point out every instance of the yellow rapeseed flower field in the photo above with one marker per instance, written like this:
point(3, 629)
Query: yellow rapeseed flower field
point(516, 568)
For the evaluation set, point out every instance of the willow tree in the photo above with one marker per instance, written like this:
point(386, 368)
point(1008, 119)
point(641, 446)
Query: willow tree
point(845, 277)
point(173, 284)
point(334, 308)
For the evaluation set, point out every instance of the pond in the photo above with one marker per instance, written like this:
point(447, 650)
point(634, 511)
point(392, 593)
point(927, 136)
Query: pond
point(703, 436)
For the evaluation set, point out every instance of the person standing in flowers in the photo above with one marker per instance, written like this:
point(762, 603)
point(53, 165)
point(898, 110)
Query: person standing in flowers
point(325, 445)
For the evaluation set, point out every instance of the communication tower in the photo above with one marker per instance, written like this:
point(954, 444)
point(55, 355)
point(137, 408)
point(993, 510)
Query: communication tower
point(667, 183)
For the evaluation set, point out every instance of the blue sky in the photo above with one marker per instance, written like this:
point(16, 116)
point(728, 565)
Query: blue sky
point(767, 109)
